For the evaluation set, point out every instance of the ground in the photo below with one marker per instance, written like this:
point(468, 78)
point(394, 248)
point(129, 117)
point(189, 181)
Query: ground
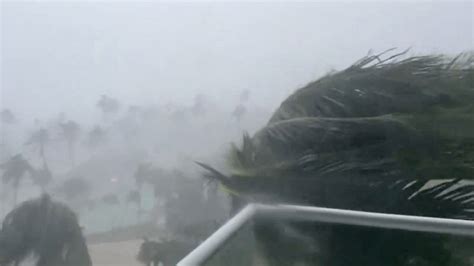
point(115, 253)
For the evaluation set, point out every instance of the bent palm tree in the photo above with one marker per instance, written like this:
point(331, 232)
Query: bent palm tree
point(96, 137)
point(383, 135)
point(40, 139)
point(239, 112)
point(42, 177)
point(13, 172)
point(108, 105)
point(70, 131)
point(6, 118)
point(44, 229)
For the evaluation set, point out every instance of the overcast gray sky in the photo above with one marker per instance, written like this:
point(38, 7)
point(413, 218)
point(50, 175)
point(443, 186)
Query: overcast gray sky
point(58, 56)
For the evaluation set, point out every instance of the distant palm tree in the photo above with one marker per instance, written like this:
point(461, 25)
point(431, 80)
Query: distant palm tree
point(200, 106)
point(133, 196)
point(7, 117)
point(13, 171)
point(108, 105)
point(244, 96)
point(239, 112)
point(40, 139)
point(96, 137)
point(70, 131)
point(42, 177)
point(143, 174)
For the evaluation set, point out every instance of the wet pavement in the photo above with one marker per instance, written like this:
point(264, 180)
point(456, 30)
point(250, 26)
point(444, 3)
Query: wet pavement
point(115, 253)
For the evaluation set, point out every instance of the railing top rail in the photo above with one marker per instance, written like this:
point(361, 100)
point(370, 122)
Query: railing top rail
point(327, 215)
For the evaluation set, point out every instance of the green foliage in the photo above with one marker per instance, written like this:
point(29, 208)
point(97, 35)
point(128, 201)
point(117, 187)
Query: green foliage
point(384, 135)
point(372, 87)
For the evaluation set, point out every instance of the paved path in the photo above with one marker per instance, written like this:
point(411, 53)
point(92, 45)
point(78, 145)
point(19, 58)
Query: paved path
point(115, 253)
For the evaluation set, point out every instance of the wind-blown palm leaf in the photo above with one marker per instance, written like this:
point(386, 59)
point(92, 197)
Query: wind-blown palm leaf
point(383, 135)
point(348, 151)
point(435, 142)
point(371, 88)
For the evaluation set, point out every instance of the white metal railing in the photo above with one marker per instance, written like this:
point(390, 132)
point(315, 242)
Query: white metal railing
point(303, 213)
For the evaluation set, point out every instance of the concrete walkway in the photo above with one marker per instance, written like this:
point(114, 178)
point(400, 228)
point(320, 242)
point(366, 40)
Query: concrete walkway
point(115, 253)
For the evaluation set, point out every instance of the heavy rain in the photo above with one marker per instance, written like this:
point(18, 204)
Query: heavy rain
point(133, 131)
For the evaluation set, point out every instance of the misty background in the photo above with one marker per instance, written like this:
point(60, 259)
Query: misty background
point(159, 53)
point(166, 84)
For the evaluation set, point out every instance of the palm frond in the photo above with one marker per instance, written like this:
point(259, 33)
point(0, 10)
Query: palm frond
point(371, 87)
point(388, 135)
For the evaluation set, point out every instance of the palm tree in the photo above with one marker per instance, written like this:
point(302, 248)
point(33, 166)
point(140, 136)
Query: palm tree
point(70, 131)
point(240, 109)
point(42, 177)
point(96, 137)
point(239, 112)
point(44, 229)
point(244, 96)
point(133, 196)
point(201, 105)
point(40, 139)
point(6, 118)
point(108, 105)
point(13, 172)
point(143, 174)
point(384, 136)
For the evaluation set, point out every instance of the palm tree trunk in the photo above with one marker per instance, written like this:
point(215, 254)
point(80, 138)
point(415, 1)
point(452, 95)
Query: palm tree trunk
point(42, 153)
point(139, 211)
point(70, 147)
point(3, 136)
point(41, 150)
point(15, 192)
point(3, 199)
